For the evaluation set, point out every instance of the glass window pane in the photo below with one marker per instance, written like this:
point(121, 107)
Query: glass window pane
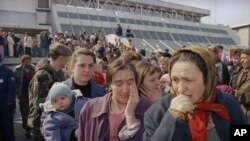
point(88, 29)
point(123, 20)
point(131, 21)
point(194, 39)
point(188, 37)
point(103, 18)
point(146, 22)
point(138, 34)
point(153, 35)
point(139, 22)
point(77, 29)
point(112, 19)
point(66, 27)
point(167, 36)
point(180, 27)
point(94, 17)
point(176, 37)
point(84, 16)
point(73, 16)
point(161, 36)
point(145, 34)
point(153, 23)
point(108, 30)
point(182, 37)
point(62, 14)
point(168, 25)
point(160, 24)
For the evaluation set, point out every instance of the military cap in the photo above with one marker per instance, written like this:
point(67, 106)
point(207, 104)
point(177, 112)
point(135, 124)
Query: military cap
point(246, 51)
point(60, 49)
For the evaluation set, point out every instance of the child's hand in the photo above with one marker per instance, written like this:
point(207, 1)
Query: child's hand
point(77, 133)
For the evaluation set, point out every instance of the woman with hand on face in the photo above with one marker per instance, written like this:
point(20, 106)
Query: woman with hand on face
point(196, 110)
point(119, 114)
point(149, 81)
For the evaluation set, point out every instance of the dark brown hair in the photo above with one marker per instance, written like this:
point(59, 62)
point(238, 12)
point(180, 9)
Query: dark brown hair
point(118, 65)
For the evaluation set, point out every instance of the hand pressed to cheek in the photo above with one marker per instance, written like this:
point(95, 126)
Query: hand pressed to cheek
point(131, 105)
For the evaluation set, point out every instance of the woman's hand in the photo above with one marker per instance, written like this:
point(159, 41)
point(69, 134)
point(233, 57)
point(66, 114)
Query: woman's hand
point(149, 94)
point(181, 106)
point(131, 105)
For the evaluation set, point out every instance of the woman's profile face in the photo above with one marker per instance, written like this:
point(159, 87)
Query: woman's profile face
point(187, 79)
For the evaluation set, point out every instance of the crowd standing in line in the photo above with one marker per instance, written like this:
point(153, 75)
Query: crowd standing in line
point(108, 89)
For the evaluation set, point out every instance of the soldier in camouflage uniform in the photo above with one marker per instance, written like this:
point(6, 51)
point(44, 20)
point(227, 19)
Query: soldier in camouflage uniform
point(47, 73)
point(23, 75)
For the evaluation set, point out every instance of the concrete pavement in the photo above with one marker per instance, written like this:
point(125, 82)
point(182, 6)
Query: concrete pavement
point(19, 131)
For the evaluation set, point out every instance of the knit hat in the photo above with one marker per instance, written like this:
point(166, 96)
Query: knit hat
point(60, 89)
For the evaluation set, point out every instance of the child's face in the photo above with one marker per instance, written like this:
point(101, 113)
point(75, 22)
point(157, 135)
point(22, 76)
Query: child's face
point(61, 102)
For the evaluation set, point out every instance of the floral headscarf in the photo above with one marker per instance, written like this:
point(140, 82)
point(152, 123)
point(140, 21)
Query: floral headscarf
point(198, 121)
point(208, 60)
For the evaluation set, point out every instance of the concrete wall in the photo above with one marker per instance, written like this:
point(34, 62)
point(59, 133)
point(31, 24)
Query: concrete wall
point(18, 5)
point(23, 14)
point(244, 35)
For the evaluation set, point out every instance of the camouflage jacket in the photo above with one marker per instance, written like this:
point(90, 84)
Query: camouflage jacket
point(40, 84)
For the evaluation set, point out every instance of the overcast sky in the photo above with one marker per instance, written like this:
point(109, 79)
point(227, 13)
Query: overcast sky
point(227, 12)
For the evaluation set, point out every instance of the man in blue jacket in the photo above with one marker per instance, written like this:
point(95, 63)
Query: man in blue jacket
point(7, 103)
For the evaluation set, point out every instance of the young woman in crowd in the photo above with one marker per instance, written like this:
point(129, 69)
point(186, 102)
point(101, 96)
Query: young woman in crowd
point(82, 66)
point(149, 81)
point(119, 114)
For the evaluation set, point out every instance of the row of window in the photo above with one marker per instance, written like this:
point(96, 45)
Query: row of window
point(142, 34)
point(86, 17)
point(136, 21)
point(218, 31)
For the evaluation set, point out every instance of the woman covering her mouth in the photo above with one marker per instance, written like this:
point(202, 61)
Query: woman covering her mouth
point(195, 110)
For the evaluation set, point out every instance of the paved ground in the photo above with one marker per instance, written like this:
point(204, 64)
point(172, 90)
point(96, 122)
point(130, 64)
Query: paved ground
point(19, 132)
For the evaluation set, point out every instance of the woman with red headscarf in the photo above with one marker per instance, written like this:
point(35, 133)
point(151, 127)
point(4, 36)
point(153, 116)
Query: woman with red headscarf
point(195, 110)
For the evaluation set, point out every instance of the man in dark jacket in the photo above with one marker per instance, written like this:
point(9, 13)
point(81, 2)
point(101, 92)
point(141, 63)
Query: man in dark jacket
point(119, 30)
point(23, 74)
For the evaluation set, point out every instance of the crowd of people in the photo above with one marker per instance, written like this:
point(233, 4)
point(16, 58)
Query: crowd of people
point(88, 89)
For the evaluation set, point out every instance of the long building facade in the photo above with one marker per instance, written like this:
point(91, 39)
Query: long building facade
point(155, 24)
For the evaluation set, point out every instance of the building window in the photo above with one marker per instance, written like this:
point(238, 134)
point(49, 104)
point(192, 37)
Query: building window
point(43, 4)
